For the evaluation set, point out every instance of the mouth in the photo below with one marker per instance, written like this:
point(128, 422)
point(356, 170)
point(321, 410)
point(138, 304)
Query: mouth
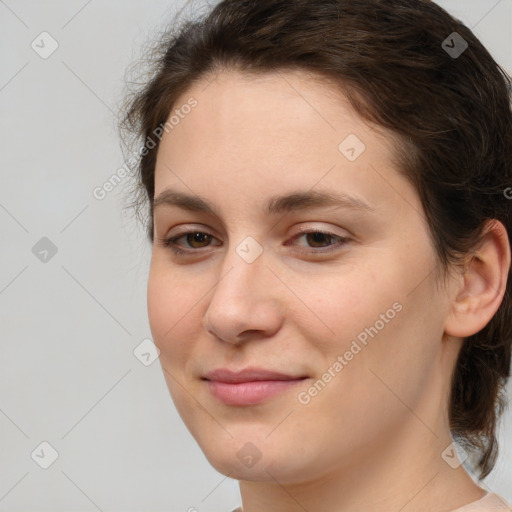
point(250, 386)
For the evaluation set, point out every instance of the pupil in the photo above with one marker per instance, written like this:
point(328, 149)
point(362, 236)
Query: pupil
point(318, 237)
point(197, 237)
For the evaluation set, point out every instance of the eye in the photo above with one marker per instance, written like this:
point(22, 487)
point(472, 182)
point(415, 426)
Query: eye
point(192, 237)
point(321, 241)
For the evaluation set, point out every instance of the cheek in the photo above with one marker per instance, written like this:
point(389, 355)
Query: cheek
point(377, 315)
point(171, 313)
point(387, 360)
point(160, 305)
point(172, 320)
point(398, 326)
point(338, 306)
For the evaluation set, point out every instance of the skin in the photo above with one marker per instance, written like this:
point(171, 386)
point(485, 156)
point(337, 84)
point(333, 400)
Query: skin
point(372, 438)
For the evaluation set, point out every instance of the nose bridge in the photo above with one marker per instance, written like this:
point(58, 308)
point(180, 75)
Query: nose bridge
point(243, 268)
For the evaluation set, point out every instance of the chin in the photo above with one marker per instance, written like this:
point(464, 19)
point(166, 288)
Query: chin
point(259, 460)
point(245, 456)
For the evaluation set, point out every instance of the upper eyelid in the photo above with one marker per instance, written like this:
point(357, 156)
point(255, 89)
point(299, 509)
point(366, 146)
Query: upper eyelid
point(304, 230)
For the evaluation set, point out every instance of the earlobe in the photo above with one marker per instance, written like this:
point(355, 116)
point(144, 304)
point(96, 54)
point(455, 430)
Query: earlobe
point(482, 285)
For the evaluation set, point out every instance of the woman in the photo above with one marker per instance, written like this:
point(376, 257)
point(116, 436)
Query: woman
point(329, 287)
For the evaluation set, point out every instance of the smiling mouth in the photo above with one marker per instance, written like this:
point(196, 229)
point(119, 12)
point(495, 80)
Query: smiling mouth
point(249, 393)
point(248, 387)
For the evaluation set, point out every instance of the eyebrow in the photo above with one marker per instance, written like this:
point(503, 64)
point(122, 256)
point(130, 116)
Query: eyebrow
point(300, 200)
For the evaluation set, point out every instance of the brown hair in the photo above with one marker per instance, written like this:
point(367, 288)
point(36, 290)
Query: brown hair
point(450, 112)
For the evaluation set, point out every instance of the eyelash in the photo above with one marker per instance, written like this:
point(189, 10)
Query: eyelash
point(171, 242)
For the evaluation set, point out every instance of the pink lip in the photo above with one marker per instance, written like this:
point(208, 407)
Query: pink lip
point(249, 386)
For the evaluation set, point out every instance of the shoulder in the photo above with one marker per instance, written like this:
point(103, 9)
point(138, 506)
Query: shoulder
point(491, 502)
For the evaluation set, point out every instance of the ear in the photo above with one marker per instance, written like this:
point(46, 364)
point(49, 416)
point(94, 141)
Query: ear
point(483, 284)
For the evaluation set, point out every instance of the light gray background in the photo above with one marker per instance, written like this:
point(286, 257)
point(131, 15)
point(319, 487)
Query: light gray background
point(68, 374)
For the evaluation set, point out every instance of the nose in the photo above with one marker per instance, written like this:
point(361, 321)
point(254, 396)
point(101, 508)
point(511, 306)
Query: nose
point(245, 302)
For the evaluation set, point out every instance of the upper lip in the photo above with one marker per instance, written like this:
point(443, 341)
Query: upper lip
point(248, 375)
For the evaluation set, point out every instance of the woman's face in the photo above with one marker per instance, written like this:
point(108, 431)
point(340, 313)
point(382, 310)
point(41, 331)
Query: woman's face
point(352, 318)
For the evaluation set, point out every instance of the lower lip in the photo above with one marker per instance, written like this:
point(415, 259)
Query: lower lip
point(249, 393)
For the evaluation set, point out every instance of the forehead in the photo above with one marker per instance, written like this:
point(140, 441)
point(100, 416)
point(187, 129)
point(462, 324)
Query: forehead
point(231, 98)
point(257, 134)
point(267, 114)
